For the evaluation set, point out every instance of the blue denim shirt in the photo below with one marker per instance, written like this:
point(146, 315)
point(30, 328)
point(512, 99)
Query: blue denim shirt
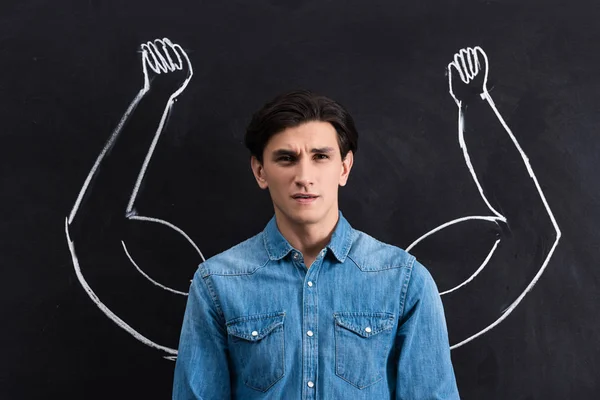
point(365, 321)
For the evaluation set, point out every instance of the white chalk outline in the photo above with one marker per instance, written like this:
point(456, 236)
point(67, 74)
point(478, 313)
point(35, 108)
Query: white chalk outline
point(147, 276)
point(458, 220)
point(467, 64)
point(172, 226)
point(159, 63)
point(124, 325)
point(166, 66)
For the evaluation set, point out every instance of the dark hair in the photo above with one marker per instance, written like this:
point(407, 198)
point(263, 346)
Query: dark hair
point(294, 108)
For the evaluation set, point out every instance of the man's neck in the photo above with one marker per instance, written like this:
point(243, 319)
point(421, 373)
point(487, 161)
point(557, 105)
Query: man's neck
point(309, 239)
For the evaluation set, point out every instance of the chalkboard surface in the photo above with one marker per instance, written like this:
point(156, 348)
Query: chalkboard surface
point(123, 167)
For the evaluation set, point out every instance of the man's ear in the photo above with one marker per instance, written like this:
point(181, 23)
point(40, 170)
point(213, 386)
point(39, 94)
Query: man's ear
point(346, 167)
point(259, 172)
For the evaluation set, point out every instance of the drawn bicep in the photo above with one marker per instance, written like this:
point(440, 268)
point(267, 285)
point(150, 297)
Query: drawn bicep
point(455, 253)
point(161, 252)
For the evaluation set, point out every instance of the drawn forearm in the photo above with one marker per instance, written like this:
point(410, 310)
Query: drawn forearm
point(501, 168)
point(497, 163)
point(111, 180)
point(113, 183)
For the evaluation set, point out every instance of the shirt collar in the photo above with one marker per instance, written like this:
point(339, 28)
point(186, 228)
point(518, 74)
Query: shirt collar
point(278, 247)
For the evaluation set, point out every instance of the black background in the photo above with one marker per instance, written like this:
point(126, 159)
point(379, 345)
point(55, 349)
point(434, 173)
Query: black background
point(69, 69)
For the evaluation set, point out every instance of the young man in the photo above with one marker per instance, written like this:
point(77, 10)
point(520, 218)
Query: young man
point(311, 308)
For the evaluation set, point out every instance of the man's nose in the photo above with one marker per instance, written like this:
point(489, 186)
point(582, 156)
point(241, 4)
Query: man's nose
point(304, 173)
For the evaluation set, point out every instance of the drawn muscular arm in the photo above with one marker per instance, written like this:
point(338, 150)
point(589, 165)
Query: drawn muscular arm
point(526, 231)
point(104, 211)
point(111, 187)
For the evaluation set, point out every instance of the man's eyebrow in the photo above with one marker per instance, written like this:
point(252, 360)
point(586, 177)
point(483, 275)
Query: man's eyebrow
point(323, 150)
point(283, 152)
point(286, 152)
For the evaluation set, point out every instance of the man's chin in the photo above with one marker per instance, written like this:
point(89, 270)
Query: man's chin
point(303, 216)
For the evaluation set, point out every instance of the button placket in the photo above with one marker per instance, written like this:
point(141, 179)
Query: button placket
point(310, 324)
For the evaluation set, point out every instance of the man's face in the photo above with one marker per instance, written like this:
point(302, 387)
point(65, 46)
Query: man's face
point(304, 159)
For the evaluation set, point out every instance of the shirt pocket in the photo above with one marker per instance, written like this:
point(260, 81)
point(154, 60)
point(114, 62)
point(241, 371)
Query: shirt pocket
point(257, 348)
point(362, 342)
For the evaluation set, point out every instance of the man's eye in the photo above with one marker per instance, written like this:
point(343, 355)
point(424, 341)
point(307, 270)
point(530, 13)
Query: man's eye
point(322, 156)
point(285, 158)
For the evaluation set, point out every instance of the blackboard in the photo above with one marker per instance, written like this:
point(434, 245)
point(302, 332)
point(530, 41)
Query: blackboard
point(81, 321)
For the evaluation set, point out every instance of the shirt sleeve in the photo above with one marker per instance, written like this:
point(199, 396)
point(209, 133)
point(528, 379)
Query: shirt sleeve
point(201, 370)
point(424, 366)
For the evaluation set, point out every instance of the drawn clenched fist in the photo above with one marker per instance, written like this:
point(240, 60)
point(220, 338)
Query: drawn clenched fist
point(166, 63)
point(471, 66)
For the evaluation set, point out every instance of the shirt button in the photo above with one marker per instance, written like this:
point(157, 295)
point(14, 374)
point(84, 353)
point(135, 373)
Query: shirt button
point(368, 329)
point(323, 253)
point(309, 333)
point(254, 333)
point(310, 384)
point(295, 256)
point(310, 283)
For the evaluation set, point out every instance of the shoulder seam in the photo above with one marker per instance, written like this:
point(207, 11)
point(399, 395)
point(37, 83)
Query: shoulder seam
point(259, 266)
point(410, 258)
point(206, 273)
point(213, 297)
point(405, 284)
point(354, 261)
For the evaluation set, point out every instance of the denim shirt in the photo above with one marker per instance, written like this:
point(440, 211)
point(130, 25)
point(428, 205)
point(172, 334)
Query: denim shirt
point(365, 321)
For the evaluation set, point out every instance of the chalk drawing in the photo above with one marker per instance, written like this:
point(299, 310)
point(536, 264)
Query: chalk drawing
point(468, 64)
point(160, 56)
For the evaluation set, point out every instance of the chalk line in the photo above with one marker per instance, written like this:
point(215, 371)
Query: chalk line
point(159, 63)
point(467, 70)
point(92, 295)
